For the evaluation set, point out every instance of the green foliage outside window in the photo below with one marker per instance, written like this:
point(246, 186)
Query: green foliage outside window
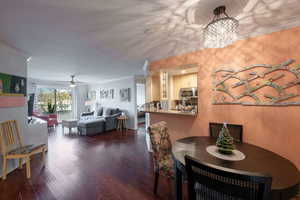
point(51, 108)
point(54, 100)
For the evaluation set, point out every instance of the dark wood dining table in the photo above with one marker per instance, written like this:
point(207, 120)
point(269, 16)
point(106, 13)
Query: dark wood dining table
point(285, 175)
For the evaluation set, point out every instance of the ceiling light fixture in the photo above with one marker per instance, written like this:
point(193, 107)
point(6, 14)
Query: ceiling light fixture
point(222, 31)
point(72, 82)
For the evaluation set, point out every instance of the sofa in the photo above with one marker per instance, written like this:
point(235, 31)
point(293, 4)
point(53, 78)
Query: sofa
point(99, 121)
point(37, 132)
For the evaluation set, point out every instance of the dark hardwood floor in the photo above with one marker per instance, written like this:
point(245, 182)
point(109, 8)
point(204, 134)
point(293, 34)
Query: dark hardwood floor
point(110, 166)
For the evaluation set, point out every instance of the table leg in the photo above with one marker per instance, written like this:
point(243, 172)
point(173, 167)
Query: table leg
point(124, 125)
point(63, 132)
point(121, 125)
point(178, 183)
point(70, 131)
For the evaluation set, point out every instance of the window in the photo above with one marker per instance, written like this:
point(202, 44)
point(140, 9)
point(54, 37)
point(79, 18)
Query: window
point(59, 98)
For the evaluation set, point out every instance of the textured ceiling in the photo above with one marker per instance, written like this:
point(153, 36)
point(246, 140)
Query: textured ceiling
point(99, 40)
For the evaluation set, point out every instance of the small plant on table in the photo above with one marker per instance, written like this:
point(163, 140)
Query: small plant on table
point(225, 141)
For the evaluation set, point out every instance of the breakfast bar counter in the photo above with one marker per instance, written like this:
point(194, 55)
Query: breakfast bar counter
point(172, 112)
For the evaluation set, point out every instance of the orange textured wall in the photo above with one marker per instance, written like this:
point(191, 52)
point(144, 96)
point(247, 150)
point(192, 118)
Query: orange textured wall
point(274, 128)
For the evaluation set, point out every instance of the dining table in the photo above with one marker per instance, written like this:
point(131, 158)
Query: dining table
point(285, 175)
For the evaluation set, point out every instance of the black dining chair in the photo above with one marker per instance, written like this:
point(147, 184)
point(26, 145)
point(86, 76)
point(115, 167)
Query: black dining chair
point(236, 131)
point(206, 181)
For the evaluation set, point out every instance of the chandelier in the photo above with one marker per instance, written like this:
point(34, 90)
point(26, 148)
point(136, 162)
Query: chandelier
point(222, 31)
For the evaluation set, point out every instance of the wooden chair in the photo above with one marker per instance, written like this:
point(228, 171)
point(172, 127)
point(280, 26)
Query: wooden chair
point(206, 181)
point(236, 131)
point(162, 151)
point(12, 147)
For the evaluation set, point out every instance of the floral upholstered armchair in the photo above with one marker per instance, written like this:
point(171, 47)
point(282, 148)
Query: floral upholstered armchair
point(162, 151)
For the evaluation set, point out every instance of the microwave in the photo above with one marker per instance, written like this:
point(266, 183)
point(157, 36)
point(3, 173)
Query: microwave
point(185, 93)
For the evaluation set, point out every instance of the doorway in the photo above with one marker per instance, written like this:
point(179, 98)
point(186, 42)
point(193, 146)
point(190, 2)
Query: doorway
point(140, 101)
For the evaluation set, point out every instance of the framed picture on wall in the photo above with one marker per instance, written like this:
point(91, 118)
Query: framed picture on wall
point(92, 95)
point(125, 94)
point(106, 93)
point(12, 90)
point(11, 85)
point(111, 94)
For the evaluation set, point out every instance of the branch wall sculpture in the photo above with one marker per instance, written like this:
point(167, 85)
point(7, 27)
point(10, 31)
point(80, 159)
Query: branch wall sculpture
point(231, 86)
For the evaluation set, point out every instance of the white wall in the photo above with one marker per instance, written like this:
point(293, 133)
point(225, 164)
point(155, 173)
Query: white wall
point(31, 87)
point(13, 62)
point(128, 107)
point(140, 94)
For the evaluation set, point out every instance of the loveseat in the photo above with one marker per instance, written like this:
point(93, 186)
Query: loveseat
point(99, 121)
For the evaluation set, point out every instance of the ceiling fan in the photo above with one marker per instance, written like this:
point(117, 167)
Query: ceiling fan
point(72, 82)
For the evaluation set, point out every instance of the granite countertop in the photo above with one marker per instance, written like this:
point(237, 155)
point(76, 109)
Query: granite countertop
point(174, 112)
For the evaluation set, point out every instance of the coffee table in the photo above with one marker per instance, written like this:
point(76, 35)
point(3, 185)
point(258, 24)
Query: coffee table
point(69, 123)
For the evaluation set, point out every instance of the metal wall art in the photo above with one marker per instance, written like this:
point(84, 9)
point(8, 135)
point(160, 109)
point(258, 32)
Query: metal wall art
point(260, 84)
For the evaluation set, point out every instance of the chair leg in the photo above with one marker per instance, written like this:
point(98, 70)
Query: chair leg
point(44, 156)
point(4, 169)
point(28, 172)
point(20, 163)
point(124, 125)
point(156, 178)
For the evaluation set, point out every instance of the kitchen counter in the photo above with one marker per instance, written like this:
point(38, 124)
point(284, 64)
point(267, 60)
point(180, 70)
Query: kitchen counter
point(173, 112)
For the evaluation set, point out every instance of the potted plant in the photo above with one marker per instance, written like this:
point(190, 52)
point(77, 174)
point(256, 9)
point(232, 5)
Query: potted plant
point(51, 109)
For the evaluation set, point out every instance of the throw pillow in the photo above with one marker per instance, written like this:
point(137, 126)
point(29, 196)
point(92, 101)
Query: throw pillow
point(100, 112)
point(115, 111)
point(87, 114)
point(107, 111)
